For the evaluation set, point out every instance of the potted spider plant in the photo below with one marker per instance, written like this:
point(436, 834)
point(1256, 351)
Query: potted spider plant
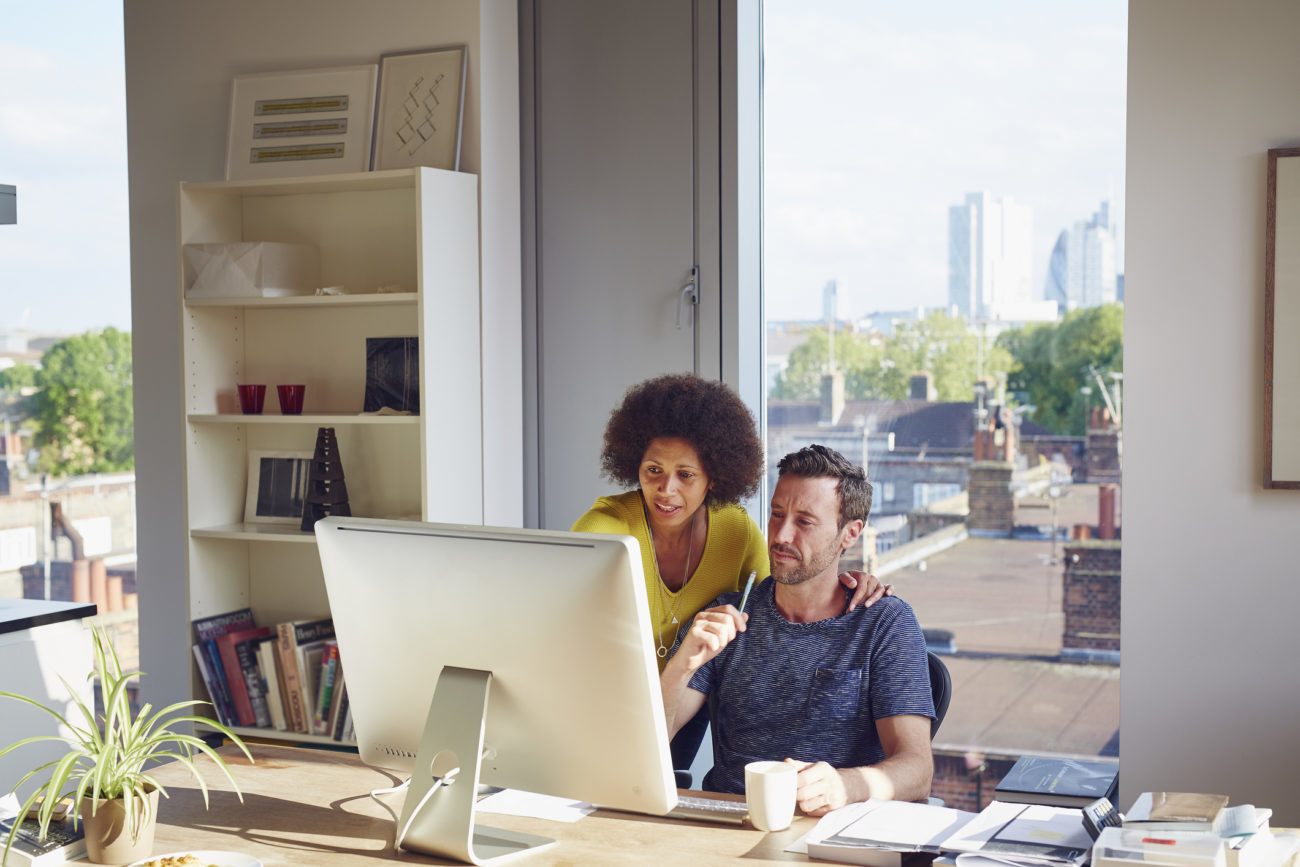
point(105, 772)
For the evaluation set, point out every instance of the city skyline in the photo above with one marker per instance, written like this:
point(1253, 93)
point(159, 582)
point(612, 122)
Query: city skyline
point(881, 116)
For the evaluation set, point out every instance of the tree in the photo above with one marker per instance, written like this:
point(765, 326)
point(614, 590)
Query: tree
point(945, 346)
point(878, 368)
point(854, 354)
point(1053, 363)
point(84, 405)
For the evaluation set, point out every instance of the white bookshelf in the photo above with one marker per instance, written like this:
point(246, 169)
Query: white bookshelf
point(412, 233)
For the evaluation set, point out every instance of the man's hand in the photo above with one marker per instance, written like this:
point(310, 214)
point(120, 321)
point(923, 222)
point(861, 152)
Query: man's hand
point(821, 788)
point(713, 629)
point(867, 589)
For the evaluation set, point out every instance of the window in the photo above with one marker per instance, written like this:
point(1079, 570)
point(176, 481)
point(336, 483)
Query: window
point(943, 278)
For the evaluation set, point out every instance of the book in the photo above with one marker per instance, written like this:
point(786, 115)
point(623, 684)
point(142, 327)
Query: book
point(266, 664)
point(1179, 811)
point(1032, 832)
point(325, 692)
point(294, 638)
point(206, 631)
point(214, 690)
point(237, 675)
point(65, 841)
point(341, 713)
point(1058, 782)
point(883, 833)
point(246, 652)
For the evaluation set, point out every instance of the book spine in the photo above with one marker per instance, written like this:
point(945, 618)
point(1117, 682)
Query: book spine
point(253, 685)
point(325, 695)
point(292, 689)
point(226, 708)
point(230, 663)
point(206, 674)
point(266, 653)
point(341, 714)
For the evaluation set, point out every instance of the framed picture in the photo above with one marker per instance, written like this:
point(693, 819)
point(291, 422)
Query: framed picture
point(277, 487)
point(418, 117)
point(392, 374)
point(304, 122)
point(1282, 320)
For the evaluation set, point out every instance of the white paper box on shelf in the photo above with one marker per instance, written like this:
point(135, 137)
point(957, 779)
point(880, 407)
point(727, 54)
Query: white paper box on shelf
point(259, 268)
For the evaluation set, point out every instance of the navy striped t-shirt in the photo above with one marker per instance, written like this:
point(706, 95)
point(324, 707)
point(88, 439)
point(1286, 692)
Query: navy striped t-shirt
point(810, 691)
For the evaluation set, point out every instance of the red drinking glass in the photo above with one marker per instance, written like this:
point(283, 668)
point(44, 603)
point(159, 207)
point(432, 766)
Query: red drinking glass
point(291, 398)
point(251, 398)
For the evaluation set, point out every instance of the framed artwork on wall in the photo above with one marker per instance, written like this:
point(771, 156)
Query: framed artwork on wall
point(277, 486)
point(419, 111)
point(1282, 320)
point(301, 122)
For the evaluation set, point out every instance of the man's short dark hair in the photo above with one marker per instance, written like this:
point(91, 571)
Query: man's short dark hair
point(819, 462)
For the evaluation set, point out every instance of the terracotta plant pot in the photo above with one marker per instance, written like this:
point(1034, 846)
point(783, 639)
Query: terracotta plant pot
point(107, 841)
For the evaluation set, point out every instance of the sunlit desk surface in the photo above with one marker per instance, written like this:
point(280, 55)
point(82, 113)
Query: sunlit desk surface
point(312, 807)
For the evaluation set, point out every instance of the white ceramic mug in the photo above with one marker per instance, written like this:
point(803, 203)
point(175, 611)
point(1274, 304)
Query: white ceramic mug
point(770, 794)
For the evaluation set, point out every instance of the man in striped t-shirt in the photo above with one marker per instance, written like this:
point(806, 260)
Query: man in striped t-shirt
point(845, 694)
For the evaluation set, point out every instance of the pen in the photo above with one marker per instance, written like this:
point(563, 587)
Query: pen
point(749, 585)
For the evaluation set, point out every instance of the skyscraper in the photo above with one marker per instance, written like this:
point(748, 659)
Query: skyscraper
point(989, 255)
point(831, 301)
point(1082, 271)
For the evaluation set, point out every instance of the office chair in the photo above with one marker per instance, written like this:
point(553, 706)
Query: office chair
point(940, 688)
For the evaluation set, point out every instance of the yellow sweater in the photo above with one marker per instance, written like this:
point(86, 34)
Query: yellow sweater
point(734, 547)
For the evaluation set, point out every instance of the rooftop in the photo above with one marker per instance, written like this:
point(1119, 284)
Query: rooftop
point(1001, 599)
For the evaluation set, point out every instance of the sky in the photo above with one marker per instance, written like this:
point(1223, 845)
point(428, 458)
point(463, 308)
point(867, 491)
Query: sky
point(880, 114)
point(65, 266)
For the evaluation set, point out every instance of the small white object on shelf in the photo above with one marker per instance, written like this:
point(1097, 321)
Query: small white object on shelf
point(251, 268)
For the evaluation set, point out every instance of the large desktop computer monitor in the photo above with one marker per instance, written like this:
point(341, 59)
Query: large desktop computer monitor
point(514, 658)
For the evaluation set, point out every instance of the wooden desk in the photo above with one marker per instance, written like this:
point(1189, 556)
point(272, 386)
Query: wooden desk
point(313, 807)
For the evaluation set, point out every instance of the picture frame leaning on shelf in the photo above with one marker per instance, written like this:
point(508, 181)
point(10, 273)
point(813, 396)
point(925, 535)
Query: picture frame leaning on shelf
point(301, 122)
point(277, 486)
point(420, 107)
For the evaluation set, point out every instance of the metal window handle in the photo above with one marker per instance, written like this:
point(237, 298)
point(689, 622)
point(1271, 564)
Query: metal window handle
point(689, 297)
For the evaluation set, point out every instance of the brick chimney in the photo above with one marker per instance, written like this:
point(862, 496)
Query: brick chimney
point(922, 387)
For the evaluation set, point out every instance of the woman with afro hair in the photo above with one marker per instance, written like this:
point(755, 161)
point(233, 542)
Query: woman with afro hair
point(688, 450)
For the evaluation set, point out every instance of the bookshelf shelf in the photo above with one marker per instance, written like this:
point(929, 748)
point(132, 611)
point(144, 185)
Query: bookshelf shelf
point(404, 245)
point(318, 419)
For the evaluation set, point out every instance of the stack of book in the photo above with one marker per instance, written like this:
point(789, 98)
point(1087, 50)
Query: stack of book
point(1058, 782)
point(286, 677)
point(1190, 828)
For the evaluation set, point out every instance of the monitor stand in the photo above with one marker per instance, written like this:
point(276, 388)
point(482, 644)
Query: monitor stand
point(453, 732)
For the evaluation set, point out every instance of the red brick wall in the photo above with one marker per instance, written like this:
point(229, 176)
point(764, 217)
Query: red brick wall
point(1091, 597)
point(964, 789)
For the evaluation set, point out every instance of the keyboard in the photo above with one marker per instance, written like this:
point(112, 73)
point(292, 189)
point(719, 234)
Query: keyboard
point(709, 810)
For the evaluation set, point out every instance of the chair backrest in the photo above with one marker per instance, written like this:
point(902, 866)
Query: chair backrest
point(940, 688)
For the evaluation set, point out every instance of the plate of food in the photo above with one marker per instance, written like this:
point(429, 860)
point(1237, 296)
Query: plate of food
point(200, 858)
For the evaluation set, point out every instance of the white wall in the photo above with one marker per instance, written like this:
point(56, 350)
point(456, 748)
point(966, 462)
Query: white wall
point(1211, 684)
point(179, 61)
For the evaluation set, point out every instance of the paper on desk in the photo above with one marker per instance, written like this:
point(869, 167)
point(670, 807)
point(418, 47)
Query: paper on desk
point(513, 802)
point(828, 825)
point(9, 806)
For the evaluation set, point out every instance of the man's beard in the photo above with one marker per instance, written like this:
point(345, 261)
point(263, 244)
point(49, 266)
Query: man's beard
point(805, 570)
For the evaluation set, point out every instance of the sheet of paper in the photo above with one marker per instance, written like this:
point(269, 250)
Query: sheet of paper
point(828, 825)
point(513, 802)
point(1016, 824)
point(900, 824)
